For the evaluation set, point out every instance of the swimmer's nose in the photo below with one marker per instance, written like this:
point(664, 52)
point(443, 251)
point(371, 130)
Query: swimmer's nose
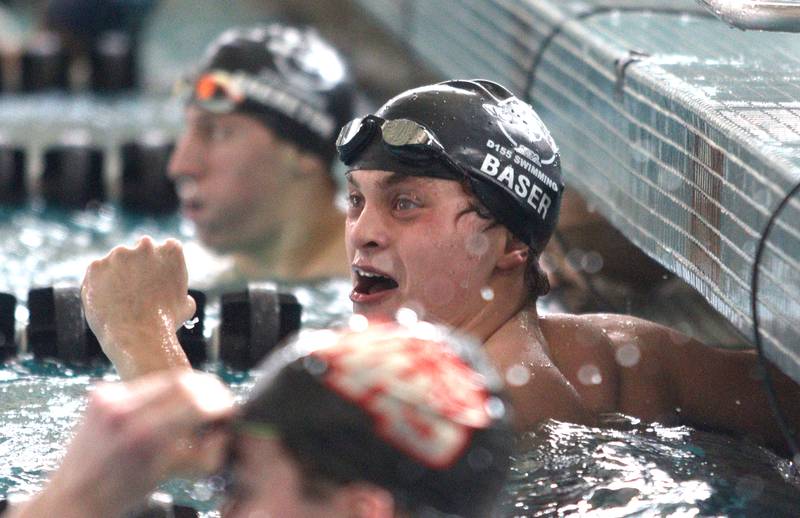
point(188, 159)
point(368, 231)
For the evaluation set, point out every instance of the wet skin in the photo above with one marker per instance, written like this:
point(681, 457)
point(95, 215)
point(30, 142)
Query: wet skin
point(423, 235)
point(268, 483)
point(230, 170)
point(433, 254)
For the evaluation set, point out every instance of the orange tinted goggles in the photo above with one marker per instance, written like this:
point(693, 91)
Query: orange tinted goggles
point(217, 92)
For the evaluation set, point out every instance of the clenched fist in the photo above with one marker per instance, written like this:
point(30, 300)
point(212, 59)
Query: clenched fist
point(135, 299)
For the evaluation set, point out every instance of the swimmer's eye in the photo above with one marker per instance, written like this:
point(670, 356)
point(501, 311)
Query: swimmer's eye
point(216, 131)
point(221, 132)
point(354, 200)
point(404, 203)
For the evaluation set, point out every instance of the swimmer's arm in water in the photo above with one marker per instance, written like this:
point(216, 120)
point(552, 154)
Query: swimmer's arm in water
point(707, 387)
point(134, 436)
point(135, 299)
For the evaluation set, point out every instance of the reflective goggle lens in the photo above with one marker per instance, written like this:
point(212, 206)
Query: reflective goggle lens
point(348, 133)
point(404, 132)
point(403, 137)
point(217, 92)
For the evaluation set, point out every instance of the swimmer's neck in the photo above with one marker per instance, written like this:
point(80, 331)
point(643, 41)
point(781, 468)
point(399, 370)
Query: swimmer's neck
point(512, 311)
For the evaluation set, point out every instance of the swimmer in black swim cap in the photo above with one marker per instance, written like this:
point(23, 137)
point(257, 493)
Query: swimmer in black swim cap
point(264, 108)
point(454, 191)
point(503, 161)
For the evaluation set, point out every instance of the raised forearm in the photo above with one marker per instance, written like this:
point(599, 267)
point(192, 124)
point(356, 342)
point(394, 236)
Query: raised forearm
point(135, 299)
point(148, 350)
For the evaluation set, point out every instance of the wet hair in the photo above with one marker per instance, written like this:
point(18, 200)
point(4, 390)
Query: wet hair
point(337, 440)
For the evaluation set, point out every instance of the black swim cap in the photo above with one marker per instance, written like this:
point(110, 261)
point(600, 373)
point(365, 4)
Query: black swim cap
point(288, 77)
point(415, 410)
point(485, 133)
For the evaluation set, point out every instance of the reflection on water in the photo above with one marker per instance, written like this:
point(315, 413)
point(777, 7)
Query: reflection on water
point(631, 469)
point(41, 247)
point(40, 403)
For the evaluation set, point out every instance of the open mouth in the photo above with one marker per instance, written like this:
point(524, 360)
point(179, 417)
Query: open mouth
point(370, 283)
point(191, 209)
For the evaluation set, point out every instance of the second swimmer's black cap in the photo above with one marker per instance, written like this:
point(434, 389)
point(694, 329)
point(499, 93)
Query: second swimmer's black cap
point(486, 135)
point(413, 409)
point(288, 77)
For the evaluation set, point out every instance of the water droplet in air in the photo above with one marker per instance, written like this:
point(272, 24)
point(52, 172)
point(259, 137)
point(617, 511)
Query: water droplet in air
point(477, 245)
point(314, 366)
point(518, 375)
point(628, 355)
point(406, 317)
point(495, 407)
point(189, 324)
point(590, 375)
point(592, 262)
point(358, 323)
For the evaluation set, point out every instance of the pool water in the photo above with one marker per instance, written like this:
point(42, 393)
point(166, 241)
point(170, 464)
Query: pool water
point(624, 468)
point(627, 468)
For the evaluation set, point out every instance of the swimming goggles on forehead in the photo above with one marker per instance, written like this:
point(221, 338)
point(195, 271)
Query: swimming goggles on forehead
point(407, 140)
point(217, 92)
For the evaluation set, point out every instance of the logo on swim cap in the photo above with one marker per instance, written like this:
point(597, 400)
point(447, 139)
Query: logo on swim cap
point(304, 60)
point(519, 118)
point(425, 400)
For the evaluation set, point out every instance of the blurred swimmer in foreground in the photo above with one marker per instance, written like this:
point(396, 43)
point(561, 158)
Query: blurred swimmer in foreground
point(390, 421)
point(454, 190)
point(253, 165)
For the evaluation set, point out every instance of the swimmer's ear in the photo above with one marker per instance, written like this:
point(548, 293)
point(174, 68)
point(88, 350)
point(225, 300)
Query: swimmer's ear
point(304, 164)
point(514, 255)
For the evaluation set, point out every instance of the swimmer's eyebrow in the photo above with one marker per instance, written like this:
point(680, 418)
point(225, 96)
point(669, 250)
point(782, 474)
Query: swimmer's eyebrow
point(389, 181)
point(394, 179)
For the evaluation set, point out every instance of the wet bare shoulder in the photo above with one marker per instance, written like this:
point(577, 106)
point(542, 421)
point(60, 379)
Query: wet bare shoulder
point(583, 351)
point(640, 350)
